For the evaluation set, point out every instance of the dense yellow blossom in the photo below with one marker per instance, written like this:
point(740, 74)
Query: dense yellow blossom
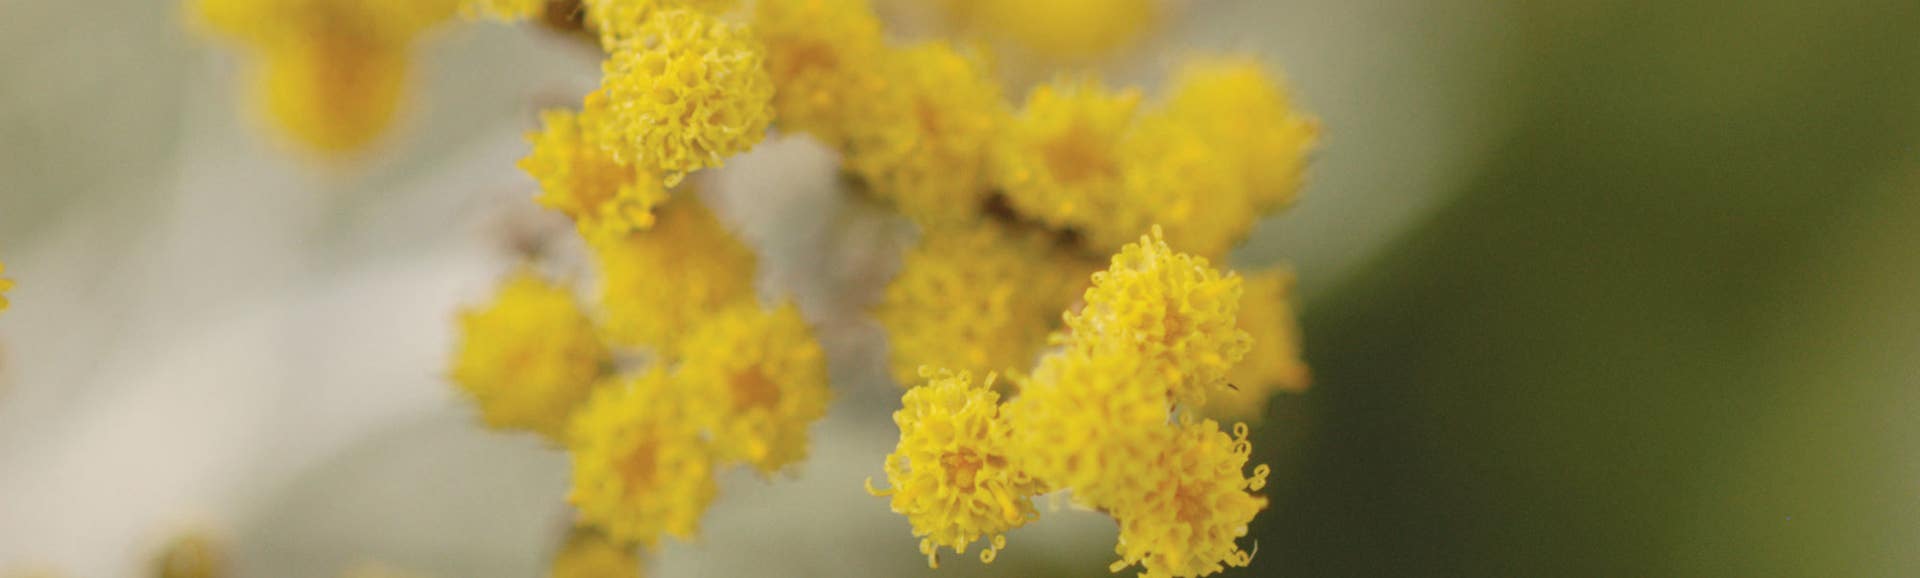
point(1059, 159)
point(507, 10)
point(1067, 29)
point(580, 179)
point(922, 142)
point(656, 284)
point(331, 73)
point(684, 92)
point(1199, 505)
point(1089, 422)
point(759, 380)
point(528, 358)
point(821, 56)
point(1274, 363)
point(1245, 111)
point(589, 554)
point(981, 298)
point(192, 555)
point(640, 466)
point(1175, 178)
point(1171, 310)
point(951, 474)
point(5, 285)
point(617, 20)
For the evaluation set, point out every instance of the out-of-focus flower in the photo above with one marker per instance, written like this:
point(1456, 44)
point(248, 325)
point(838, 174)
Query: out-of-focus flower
point(641, 468)
point(1061, 29)
point(191, 555)
point(504, 10)
point(1199, 505)
point(528, 358)
point(1059, 159)
point(1173, 177)
point(922, 142)
point(617, 20)
point(979, 298)
point(1274, 364)
point(822, 56)
point(1246, 112)
point(1090, 422)
point(1171, 310)
point(657, 284)
point(605, 197)
point(5, 285)
point(951, 474)
point(589, 554)
point(758, 380)
point(331, 73)
point(684, 92)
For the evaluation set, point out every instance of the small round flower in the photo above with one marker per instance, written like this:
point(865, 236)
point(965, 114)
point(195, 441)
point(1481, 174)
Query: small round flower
point(1244, 110)
point(922, 142)
point(1059, 161)
point(1175, 178)
point(620, 19)
point(579, 179)
point(1060, 29)
point(589, 554)
point(528, 358)
point(1274, 363)
point(5, 285)
point(684, 92)
point(641, 468)
point(980, 298)
point(821, 55)
point(760, 381)
point(951, 474)
point(657, 284)
point(1172, 310)
point(1089, 422)
point(503, 10)
point(1199, 507)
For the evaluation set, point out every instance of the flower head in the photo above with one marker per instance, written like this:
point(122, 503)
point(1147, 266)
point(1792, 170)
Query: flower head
point(1245, 111)
point(640, 466)
point(922, 142)
point(604, 196)
point(980, 298)
point(1059, 160)
point(1274, 363)
point(1174, 177)
point(1199, 506)
point(1089, 422)
point(1172, 310)
point(760, 381)
point(951, 474)
point(528, 358)
point(657, 284)
point(821, 55)
point(589, 554)
point(684, 92)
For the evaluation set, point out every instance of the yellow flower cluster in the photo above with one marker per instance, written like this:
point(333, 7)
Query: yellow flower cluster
point(1103, 418)
point(683, 92)
point(921, 141)
point(656, 285)
point(5, 285)
point(589, 554)
point(953, 474)
point(1274, 363)
point(820, 54)
point(1059, 29)
point(641, 468)
point(528, 358)
point(765, 380)
point(605, 197)
point(330, 73)
point(980, 298)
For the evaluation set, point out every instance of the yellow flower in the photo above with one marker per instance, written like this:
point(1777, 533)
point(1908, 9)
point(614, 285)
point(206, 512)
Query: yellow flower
point(331, 73)
point(657, 284)
point(1274, 363)
point(759, 380)
point(1200, 505)
point(951, 474)
point(1089, 422)
point(528, 358)
point(190, 556)
point(1245, 111)
point(684, 92)
point(981, 298)
point(589, 554)
point(504, 10)
point(620, 19)
point(1171, 310)
point(1064, 29)
point(1177, 179)
point(1059, 159)
point(640, 467)
point(578, 178)
point(821, 55)
point(922, 142)
point(5, 285)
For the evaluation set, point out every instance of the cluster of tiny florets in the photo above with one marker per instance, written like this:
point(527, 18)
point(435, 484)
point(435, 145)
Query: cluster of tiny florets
point(922, 144)
point(606, 198)
point(1172, 310)
point(529, 357)
point(761, 380)
point(684, 92)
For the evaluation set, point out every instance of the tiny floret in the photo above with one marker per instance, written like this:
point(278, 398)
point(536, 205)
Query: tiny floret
point(821, 55)
point(1246, 111)
point(1059, 159)
point(759, 381)
point(641, 469)
point(684, 92)
point(528, 358)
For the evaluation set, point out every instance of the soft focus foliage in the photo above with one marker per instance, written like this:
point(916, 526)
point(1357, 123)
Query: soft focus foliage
point(529, 357)
point(589, 554)
point(821, 56)
point(1198, 507)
